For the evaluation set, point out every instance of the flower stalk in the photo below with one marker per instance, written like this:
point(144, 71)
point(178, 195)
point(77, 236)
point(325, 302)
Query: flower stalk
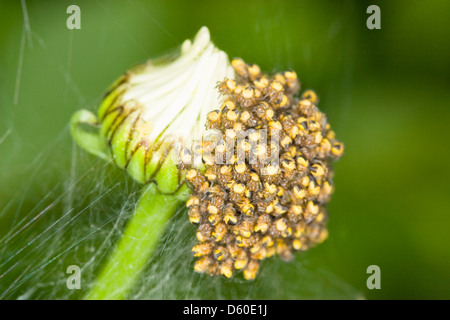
point(137, 244)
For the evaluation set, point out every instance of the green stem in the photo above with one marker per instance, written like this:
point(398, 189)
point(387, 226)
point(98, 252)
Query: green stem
point(136, 245)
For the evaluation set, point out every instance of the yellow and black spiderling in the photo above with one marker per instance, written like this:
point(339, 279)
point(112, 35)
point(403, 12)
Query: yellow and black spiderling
point(268, 194)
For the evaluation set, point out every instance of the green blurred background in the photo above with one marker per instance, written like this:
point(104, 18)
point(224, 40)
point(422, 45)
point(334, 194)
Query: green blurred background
point(386, 94)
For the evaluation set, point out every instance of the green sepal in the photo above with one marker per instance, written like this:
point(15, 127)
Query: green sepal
point(85, 130)
point(136, 166)
point(155, 156)
point(167, 177)
point(120, 139)
point(116, 90)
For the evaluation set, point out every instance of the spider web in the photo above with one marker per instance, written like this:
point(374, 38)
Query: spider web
point(61, 206)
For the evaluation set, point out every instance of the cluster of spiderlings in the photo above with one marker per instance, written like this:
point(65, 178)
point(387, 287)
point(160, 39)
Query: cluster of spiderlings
point(248, 211)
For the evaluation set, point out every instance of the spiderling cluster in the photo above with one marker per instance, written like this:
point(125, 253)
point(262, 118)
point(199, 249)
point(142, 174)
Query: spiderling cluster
point(263, 184)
